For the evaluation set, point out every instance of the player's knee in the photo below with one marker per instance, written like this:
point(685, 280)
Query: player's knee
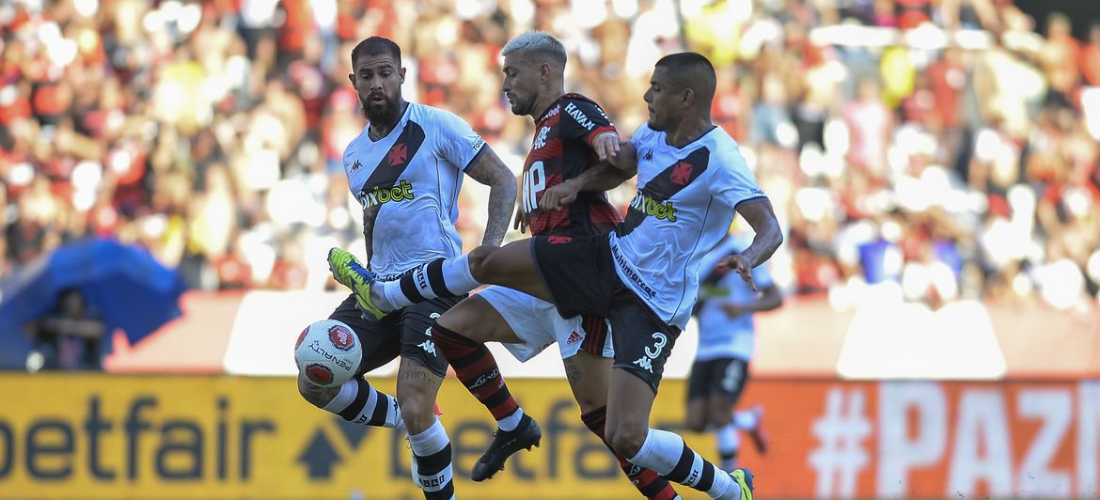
point(460, 319)
point(719, 417)
point(626, 439)
point(696, 422)
point(316, 395)
point(417, 410)
point(480, 262)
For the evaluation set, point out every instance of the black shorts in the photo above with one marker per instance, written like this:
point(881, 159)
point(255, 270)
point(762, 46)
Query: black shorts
point(581, 278)
point(404, 332)
point(724, 376)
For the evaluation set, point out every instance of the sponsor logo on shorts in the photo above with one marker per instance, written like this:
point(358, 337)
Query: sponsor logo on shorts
point(428, 346)
point(573, 338)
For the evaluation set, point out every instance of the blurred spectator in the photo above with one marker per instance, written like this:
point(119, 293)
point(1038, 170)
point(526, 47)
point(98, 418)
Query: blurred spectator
point(210, 131)
point(71, 337)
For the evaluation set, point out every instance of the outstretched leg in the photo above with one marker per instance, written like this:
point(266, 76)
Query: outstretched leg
point(512, 266)
point(460, 335)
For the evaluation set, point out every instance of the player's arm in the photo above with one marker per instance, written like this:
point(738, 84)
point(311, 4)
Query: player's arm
point(463, 147)
point(600, 177)
point(759, 214)
point(768, 299)
point(488, 169)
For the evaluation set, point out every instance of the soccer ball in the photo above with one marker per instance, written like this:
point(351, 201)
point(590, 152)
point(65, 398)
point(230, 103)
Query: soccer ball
point(328, 353)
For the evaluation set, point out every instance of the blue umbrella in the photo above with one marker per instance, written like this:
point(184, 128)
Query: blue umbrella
point(130, 290)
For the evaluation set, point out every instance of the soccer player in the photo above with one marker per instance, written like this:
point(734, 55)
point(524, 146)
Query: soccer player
point(643, 277)
point(571, 135)
point(406, 170)
point(726, 344)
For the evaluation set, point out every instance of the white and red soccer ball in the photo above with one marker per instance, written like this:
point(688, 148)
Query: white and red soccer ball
point(328, 353)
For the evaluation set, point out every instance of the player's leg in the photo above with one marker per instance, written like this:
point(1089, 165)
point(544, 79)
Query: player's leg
point(724, 392)
point(461, 334)
point(639, 363)
point(356, 401)
point(698, 390)
point(511, 265)
point(588, 376)
point(418, 380)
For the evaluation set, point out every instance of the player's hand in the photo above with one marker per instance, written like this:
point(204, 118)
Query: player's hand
point(738, 263)
point(521, 220)
point(606, 145)
point(560, 195)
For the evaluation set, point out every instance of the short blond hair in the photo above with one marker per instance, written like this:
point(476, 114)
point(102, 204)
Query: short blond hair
point(540, 45)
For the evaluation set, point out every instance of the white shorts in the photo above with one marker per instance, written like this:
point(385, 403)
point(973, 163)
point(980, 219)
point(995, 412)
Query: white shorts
point(538, 324)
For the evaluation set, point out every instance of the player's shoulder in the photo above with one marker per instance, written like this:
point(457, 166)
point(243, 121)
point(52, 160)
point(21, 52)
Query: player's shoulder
point(357, 142)
point(578, 97)
point(425, 114)
point(642, 133)
point(581, 101)
point(724, 150)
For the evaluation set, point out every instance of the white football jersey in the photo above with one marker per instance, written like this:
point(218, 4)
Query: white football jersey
point(684, 206)
point(408, 184)
point(721, 336)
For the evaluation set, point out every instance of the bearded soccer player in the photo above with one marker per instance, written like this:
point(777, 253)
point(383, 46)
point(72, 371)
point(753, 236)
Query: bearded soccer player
point(562, 197)
point(406, 169)
point(643, 277)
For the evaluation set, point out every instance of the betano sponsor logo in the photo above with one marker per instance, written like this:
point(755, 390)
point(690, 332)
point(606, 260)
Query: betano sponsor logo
point(382, 195)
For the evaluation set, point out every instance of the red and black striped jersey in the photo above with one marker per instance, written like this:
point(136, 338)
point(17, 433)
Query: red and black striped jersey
point(561, 150)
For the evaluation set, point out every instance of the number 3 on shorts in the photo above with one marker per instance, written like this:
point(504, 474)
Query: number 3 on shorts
point(662, 341)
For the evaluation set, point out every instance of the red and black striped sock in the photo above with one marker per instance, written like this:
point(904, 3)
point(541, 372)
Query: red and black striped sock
point(477, 369)
point(649, 483)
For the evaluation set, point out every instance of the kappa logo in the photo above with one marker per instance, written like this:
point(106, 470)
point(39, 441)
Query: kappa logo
point(397, 155)
point(355, 166)
point(573, 338)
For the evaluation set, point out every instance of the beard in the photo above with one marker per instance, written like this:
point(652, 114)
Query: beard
point(522, 108)
point(388, 112)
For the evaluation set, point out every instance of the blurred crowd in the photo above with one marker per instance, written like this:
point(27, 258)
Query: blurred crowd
point(948, 148)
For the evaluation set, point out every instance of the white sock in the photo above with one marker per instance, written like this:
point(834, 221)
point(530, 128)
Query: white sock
point(432, 456)
point(660, 452)
point(729, 442)
point(510, 422)
point(358, 409)
point(666, 453)
point(439, 278)
point(746, 419)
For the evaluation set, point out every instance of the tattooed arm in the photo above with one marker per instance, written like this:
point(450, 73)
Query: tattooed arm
point(369, 215)
point(487, 169)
